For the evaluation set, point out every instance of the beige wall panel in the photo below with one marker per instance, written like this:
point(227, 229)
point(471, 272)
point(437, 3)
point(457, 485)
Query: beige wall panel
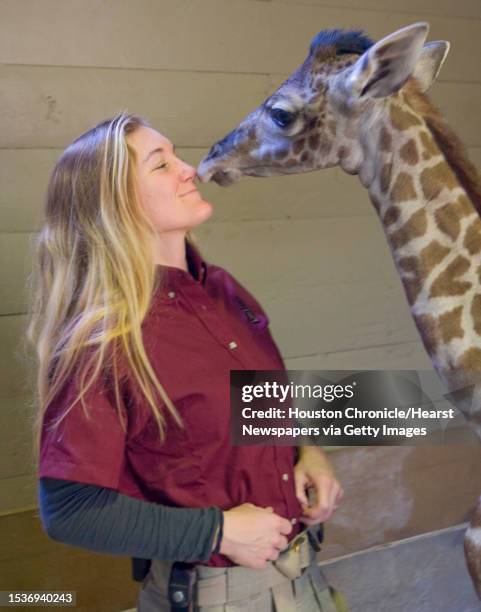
point(465, 8)
point(347, 297)
point(16, 437)
point(400, 492)
point(13, 365)
point(327, 193)
point(321, 281)
point(404, 356)
point(234, 36)
point(18, 492)
point(24, 175)
point(334, 318)
point(49, 107)
point(16, 265)
point(331, 193)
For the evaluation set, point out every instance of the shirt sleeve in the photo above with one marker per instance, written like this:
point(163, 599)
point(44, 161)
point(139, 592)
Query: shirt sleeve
point(103, 520)
point(87, 448)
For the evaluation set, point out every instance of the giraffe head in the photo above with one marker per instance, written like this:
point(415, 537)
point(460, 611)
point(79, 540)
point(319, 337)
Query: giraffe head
point(320, 115)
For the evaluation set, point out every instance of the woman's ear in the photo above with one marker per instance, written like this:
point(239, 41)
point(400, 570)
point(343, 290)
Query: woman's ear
point(385, 67)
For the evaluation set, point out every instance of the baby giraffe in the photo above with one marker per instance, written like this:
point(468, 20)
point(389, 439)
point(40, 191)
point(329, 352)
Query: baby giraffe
point(362, 105)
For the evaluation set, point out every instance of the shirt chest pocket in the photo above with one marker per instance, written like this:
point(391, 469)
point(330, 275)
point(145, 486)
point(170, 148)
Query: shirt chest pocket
point(168, 463)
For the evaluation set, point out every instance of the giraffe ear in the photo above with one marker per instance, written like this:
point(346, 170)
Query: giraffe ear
point(430, 63)
point(386, 66)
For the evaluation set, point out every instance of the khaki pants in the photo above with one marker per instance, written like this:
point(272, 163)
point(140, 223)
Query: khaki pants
point(242, 589)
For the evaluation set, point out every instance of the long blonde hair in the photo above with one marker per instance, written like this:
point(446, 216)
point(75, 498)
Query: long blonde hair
point(94, 274)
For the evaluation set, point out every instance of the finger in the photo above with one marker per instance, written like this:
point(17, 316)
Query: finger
point(281, 543)
point(301, 492)
point(286, 527)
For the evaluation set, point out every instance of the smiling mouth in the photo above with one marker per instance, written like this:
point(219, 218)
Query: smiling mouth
point(188, 192)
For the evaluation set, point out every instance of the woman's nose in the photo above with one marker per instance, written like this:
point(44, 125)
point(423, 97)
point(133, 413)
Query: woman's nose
point(188, 172)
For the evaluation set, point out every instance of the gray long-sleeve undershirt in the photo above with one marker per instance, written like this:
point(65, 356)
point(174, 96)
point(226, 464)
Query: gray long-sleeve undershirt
point(103, 520)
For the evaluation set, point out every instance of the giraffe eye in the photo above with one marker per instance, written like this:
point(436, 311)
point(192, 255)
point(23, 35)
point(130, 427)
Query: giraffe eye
point(281, 117)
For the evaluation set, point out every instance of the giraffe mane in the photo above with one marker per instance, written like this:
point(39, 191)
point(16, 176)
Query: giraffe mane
point(448, 142)
point(340, 42)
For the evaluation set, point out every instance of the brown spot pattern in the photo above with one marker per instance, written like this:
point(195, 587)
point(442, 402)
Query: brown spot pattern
point(386, 172)
point(415, 227)
point(298, 146)
point(447, 282)
point(450, 324)
point(465, 205)
point(472, 239)
point(306, 157)
point(476, 313)
point(385, 140)
point(478, 272)
point(282, 154)
point(470, 360)
point(403, 188)
point(447, 220)
point(434, 179)
point(409, 152)
point(429, 146)
point(402, 119)
point(391, 216)
point(421, 266)
point(290, 162)
point(313, 141)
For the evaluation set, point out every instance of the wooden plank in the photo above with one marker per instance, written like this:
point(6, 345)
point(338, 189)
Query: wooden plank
point(212, 35)
point(47, 107)
point(14, 366)
point(404, 356)
point(18, 492)
point(314, 194)
point(445, 8)
point(327, 193)
point(345, 296)
point(30, 560)
point(17, 264)
point(16, 415)
point(400, 492)
point(426, 573)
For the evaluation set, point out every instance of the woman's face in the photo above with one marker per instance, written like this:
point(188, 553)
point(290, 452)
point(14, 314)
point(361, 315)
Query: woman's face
point(165, 184)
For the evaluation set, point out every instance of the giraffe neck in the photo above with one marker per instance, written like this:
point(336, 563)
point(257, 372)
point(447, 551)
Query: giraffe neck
point(434, 231)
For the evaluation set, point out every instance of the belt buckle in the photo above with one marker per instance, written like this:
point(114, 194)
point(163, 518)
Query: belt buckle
point(288, 562)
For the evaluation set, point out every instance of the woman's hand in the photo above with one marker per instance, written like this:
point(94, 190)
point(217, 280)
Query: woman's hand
point(315, 470)
point(253, 535)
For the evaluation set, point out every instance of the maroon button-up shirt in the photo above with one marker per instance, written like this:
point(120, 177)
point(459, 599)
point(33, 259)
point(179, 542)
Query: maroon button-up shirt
point(200, 326)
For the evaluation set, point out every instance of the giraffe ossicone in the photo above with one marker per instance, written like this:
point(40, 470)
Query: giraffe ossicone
point(362, 105)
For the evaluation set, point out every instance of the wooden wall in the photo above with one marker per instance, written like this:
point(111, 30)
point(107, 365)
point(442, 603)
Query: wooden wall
point(309, 247)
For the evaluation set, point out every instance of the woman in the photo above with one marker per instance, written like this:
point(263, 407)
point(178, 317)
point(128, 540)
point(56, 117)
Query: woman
point(135, 337)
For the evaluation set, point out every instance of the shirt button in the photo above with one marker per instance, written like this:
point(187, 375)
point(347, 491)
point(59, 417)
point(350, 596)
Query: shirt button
point(232, 345)
point(171, 294)
point(293, 521)
point(285, 477)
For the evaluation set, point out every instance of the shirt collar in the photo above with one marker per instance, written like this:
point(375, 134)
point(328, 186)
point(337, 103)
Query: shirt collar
point(197, 269)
